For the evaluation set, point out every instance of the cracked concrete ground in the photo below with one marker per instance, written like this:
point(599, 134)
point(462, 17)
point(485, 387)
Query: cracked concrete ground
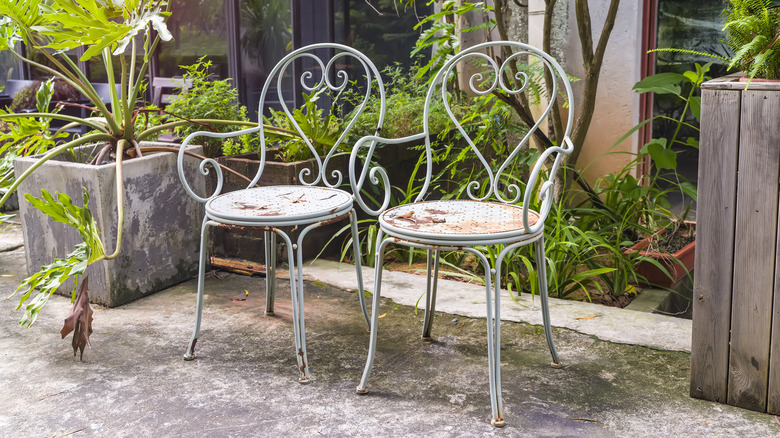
point(133, 381)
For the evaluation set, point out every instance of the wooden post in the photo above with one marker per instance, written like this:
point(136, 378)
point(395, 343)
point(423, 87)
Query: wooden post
point(714, 243)
point(737, 238)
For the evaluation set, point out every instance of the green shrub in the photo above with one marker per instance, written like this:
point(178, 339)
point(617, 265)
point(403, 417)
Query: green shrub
point(210, 100)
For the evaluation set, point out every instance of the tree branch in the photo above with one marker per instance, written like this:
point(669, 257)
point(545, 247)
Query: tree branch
point(592, 63)
point(555, 121)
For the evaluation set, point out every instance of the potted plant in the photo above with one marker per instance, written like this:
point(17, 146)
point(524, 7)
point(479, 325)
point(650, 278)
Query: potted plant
point(123, 35)
point(646, 211)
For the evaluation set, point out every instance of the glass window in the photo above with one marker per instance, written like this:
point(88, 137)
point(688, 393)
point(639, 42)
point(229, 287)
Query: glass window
point(266, 36)
point(693, 25)
point(382, 29)
point(199, 29)
point(9, 65)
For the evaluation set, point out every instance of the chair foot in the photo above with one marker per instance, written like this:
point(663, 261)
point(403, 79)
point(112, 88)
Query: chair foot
point(269, 313)
point(426, 338)
point(190, 354)
point(362, 391)
point(304, 380)
point(557, 365)
point(497, 422)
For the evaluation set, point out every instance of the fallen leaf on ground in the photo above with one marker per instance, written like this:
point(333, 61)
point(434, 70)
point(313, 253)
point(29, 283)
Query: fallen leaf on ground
point(79, 321)
point(382, 315)
point(589, 317)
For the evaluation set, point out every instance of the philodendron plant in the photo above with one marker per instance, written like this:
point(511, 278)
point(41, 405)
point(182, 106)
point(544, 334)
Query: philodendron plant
point(123, 34)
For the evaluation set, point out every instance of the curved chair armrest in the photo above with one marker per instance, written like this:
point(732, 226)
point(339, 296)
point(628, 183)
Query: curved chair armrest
point(547, 191)
point(212, 162)
point(376, 172)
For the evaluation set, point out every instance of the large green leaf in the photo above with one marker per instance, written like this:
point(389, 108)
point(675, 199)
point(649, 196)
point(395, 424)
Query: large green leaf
point(48, 280)
point(62, 210)
point(51, 277)
point(661, 83)
point(22, 15)
point(98, 24)
point(663, 157)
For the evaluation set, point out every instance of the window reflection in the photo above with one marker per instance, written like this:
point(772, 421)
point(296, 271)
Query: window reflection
point(266, 36)
point(199, 29)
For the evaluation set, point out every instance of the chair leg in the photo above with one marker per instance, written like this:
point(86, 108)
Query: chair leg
point(380, 249)
point(296, 268)
point(295, 297)
point(269, 242)
point(541, 268)
point(430, 293)
point(359, 267)
point(190, 354)
point(494, 337)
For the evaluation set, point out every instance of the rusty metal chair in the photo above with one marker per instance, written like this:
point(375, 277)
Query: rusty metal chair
point(315, 202)
point(498, 212)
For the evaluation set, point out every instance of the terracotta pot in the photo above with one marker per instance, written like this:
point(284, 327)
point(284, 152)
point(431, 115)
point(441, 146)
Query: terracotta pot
point(655, 276)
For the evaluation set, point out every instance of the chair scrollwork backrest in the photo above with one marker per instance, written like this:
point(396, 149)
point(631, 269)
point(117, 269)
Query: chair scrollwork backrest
point(522, 71)
point(326, 72)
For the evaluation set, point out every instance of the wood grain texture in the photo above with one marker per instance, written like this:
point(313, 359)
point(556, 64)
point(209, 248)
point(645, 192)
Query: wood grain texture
point(754, 249)
point(714, 243)
point(773, 398)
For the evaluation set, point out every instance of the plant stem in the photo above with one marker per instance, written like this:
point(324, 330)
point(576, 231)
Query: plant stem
point(120, 199)
point(144, 135)
point(192, 154)
point(64, 117)
point(682, 116)
point(117, 109)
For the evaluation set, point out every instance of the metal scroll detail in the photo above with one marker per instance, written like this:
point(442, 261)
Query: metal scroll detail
point(328, 76)
point(521, 72)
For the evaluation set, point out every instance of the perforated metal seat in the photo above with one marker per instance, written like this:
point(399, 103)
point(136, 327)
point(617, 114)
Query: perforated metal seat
point(455, 223)
point(279, 204)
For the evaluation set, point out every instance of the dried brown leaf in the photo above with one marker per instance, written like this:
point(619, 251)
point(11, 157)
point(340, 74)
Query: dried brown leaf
point(79, 320)
point(589, 317)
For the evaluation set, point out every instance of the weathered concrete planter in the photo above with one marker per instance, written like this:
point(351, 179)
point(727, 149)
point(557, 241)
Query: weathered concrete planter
point(161, 222)
point(735, 357)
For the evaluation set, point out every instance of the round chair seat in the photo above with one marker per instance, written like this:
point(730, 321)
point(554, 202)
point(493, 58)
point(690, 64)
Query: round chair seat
point(279, 205)
point(457, 222)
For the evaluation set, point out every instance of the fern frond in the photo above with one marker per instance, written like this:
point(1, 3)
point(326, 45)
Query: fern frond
point(692, 52)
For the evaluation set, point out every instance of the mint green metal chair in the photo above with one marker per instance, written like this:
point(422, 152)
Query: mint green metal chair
point(497, 212)
point(318, 199)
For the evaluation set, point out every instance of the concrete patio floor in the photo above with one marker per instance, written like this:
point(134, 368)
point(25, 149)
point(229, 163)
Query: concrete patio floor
point(134, 383)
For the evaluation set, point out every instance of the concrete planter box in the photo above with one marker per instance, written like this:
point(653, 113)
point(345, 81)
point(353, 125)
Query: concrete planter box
point(161, 222)
point(735, 357)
